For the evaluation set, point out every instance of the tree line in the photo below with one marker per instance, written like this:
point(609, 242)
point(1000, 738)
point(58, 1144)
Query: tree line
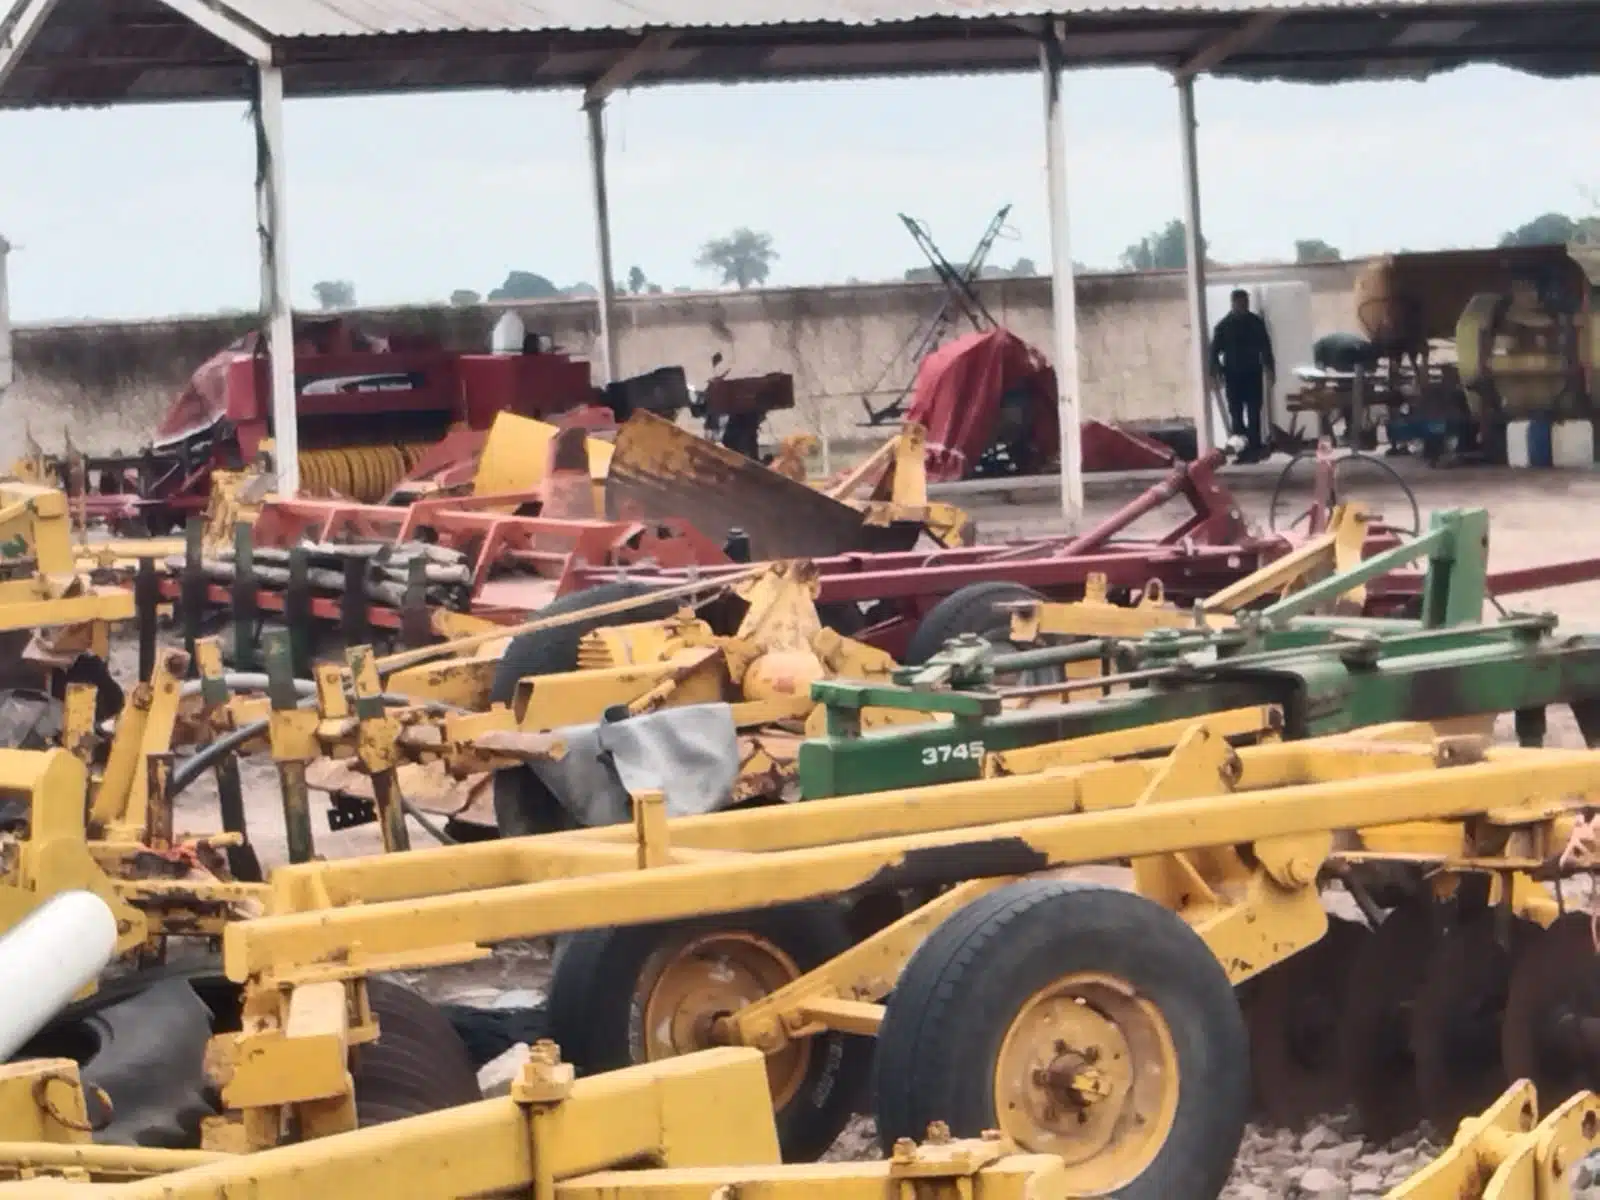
point(744, 259)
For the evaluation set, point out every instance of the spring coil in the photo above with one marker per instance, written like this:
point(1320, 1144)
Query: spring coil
point(365, 474)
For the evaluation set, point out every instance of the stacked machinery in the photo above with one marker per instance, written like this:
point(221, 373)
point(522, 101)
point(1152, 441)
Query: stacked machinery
point(1461, 342)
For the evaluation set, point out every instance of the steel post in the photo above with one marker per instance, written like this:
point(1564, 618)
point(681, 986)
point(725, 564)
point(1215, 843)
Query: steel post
point(1063, 288)
point(276, 310)
point(1195, 260)
point(594, 111)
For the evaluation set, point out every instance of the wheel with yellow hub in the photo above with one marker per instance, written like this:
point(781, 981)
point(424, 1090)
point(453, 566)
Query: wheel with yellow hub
point(1080, 1021)
point(644, 993)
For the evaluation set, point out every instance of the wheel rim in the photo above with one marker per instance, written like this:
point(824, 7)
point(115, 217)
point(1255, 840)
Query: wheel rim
point(1088, 1071)
point(688, 985)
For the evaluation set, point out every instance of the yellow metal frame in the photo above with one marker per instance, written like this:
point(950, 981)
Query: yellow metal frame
point(634, 1134)
point(101, 832)
point(1507, 1153)
point(1242, 866)
point(1337, 549)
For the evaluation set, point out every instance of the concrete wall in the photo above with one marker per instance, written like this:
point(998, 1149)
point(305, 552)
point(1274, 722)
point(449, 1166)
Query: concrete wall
point(106, 385)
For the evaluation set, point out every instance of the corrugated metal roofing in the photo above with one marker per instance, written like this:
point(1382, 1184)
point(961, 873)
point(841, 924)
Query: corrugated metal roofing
point(97, 52)
point(364, 18)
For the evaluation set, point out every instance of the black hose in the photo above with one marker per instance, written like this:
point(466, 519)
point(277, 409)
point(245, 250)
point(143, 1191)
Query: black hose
point(207, 756)
point(196, 764)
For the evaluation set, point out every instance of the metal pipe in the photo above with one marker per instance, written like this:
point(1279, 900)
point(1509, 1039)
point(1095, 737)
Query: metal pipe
point(1063, 286)
point(276, 309)
point(52, 954)
point(594, 111)
point(1145, 502)
point(1195, 260)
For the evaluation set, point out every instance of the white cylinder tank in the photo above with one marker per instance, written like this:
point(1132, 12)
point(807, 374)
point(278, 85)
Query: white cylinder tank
point(53, 954)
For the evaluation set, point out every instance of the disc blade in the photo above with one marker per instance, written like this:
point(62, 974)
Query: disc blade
point(1455, 1029)
point(1293, 1019)
point(1551, 1031)
point(1375, 1026)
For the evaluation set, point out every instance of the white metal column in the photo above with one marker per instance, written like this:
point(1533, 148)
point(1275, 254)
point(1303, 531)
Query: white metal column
point(1063, 287)
point(594, 110)
point(276, 308)
point(1195, 277)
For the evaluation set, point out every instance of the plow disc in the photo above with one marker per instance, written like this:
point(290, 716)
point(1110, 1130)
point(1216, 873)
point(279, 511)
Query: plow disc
point(1386, 977)
point(1293, 1020)
point(1551, 1033)
point(1456, 1025)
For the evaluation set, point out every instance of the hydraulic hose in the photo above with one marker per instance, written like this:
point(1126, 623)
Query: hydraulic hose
point(208, 755)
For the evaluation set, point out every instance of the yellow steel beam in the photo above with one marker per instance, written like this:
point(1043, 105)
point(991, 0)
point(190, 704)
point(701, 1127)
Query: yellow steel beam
point(635, 1134)
point(1030, 760)
point(1507, 1153)
point(1077, 835)
point(1091, 786)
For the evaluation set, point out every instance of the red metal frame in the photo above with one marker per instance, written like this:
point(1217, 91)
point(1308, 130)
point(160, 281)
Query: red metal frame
point(1206, 549)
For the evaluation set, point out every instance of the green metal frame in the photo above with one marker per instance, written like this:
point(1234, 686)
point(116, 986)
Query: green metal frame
point(1329, 674)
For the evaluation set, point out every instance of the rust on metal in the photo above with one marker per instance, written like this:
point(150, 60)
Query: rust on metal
point(659, 470)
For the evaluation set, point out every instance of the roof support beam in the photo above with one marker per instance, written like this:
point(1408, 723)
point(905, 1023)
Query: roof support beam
point(627, 68)
point(1225, 47)
point(1063, 284)
point(222, 22)
point(1194, 253)
point(18, 30)
point(271, 228)
point(594, 112)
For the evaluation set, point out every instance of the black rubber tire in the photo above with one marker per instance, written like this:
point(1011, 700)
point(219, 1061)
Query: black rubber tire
point(145, 1052)
point(142, 1041)
point(594, 1010)
point(419, 1064)
point(972, 609)
point(949, 1014)
point(523, 805)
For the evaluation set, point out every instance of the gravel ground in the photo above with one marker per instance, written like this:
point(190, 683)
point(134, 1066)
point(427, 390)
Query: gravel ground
point(1536, 518)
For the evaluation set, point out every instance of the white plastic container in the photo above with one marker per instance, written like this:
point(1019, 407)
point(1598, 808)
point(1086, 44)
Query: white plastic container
point(1572, 444)
point(53, 954)
point(1517, 444)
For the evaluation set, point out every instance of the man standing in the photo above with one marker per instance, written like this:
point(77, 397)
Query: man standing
point(1242, 367)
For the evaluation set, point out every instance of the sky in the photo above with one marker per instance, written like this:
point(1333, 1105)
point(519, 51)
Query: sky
point(149, 212)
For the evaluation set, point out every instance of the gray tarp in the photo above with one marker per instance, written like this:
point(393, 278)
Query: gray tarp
point(691, 754)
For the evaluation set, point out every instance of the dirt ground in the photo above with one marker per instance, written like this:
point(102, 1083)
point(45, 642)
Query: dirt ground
point(1535, 519)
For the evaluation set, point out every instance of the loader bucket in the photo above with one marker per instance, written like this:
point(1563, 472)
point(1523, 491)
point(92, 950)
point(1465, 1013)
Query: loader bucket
point(660, 470)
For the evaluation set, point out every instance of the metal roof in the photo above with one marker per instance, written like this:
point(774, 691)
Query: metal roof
point(95, 52)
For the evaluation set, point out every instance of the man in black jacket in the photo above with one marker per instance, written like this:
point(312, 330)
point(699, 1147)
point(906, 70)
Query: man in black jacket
point(1242, 366)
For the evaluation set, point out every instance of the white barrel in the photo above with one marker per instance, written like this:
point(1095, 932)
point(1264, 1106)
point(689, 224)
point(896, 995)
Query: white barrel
point(53, 954)
point(1518, 452)
point(1572, 444)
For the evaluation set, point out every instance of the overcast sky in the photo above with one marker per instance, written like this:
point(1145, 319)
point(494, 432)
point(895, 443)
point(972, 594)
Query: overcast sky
point(148, 211)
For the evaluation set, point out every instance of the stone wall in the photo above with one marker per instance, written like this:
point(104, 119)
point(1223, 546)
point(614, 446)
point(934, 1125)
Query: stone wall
point(107, 384)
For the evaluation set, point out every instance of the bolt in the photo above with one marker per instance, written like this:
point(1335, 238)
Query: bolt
point(938, 1133)
point(545, 1052)
point(905, 1150)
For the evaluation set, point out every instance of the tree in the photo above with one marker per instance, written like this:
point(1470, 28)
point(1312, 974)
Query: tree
point(743, 258)
point(1163, 250)
point(581, 289)
point(465, 298)
point(334, 293)
point(637, 280)
point(1024, 268)
point(1315, 250)
point(525, 285)
point(1552, 228)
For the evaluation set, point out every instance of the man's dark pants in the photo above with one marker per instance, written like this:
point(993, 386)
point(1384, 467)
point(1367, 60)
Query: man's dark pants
point(1245, 397)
